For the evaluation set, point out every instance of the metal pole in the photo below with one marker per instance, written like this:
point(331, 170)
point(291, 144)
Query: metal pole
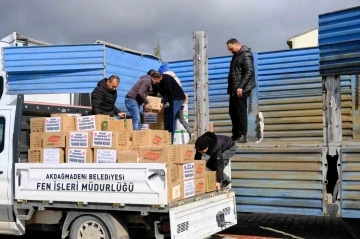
point(201, 83)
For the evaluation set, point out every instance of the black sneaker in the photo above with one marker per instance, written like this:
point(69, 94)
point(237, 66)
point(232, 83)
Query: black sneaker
point(225, 183)
point(242, 139)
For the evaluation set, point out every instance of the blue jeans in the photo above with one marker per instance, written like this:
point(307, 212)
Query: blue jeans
point(170, 115)
point(133, 107)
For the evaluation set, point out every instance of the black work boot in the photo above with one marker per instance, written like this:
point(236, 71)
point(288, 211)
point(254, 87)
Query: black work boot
point(242, 139)
point(225, 183)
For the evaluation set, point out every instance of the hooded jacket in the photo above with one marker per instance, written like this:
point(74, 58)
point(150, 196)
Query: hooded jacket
point(141, 89)
point(241, 73)
point(103, 100)
point(217, 145)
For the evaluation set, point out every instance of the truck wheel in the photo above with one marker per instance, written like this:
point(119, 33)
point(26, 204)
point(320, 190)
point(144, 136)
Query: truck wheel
point(89, 227)
point(352, 226)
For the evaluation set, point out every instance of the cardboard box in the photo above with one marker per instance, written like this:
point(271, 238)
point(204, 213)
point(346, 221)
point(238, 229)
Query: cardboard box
point(210, 181)
point(119, 125)
point(157, 126)
point(127, 156)
point(37, 125)
point(34, 155)
point(78, 139)
point(152, 118)
point(200, 186)
point(149, 137)
point(175, 192)
point(57, 124)
point(173, 174)
point(66, 114)
point(91, 122)
point(103, 140)
point(54, 140)
point(36, 140)
point(157, 154)
point(52, 155)
point(123, 140)
point(186, 171)
point(79, 156)
point(155, 103)
point(105, 155)
point(200, 169)
point(188, 188)
point(185, 153)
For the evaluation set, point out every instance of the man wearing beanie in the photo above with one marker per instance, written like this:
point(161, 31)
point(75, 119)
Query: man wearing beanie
point(220, 148)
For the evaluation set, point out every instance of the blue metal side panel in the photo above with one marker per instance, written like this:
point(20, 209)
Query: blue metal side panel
point(339, 42)
point(129, 67)
point(290, 96)
point(53, 69)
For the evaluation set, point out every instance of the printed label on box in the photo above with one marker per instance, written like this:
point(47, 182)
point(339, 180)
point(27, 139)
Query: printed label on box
point(86, 123)
point(189, 188)
point(53, 124)
point(188, 171)
point(79, 139)
point(102, 139)
point(77, 156)
point(176, 192)
point(106, 156)
point(150, 118)
point(51, 155)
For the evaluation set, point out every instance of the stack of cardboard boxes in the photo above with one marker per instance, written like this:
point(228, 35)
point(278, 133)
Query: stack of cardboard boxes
point(102, 139)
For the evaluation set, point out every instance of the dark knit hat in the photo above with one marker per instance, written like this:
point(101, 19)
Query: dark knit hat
point(201, 143)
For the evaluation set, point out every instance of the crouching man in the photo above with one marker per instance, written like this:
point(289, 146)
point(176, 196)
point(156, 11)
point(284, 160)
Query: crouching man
point(220, 148)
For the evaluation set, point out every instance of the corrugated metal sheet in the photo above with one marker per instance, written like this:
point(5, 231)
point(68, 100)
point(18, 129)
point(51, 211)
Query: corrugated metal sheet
point(72, 68)
point(287, 180)
point(350, 182)
point(290, 96)
point(339, 42)
point(129, 67)
point(54, 69)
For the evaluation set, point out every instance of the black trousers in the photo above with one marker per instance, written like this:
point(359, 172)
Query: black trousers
point(238, 114)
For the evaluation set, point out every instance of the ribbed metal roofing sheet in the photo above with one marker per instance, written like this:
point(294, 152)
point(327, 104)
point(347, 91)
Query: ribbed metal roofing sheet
point(339, 42)
point(72, 68)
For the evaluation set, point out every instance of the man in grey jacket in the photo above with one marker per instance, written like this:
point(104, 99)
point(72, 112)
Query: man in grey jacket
point(138, 96)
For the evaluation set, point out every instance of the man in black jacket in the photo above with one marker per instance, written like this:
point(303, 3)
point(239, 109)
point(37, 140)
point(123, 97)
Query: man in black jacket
point(173, 94)
point(241, 81)
point(104, 96)
point(220, 148)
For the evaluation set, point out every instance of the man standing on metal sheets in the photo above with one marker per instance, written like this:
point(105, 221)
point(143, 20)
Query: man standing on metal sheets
point(241, 81)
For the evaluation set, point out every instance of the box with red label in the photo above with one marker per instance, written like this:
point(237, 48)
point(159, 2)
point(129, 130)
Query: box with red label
point(79, 156)
point(57, 124)
point(185, 153)
point(54, 140)
point(157, 154)
point(149, 137)
point(199, 168)
point(77, 139)
point(91, 122)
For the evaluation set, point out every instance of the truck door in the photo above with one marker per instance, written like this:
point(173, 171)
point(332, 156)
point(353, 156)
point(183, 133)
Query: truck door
point(5, 159)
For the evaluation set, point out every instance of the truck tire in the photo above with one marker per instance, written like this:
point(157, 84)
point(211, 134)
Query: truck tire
point(86, 226)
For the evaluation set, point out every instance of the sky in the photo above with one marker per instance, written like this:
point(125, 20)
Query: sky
point(263, 25)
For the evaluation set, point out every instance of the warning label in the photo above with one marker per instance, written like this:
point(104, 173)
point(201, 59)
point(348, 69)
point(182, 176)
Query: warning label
point(86, 123)
point(77, 156)
point(102, 139)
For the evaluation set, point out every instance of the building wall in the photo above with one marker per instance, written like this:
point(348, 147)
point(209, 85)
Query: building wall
point(309, 39)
